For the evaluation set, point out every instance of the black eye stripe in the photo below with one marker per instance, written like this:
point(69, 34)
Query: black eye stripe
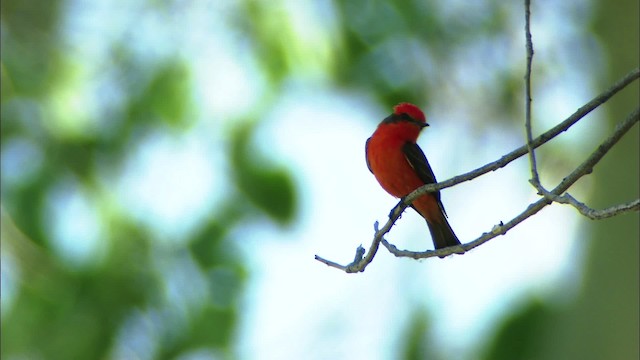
point(405, 116)
point(394, 118)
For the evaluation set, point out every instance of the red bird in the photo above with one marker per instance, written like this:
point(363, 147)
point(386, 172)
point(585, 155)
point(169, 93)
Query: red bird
point(400, 167)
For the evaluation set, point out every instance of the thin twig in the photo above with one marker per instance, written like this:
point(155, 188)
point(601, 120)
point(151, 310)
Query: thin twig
point(584, 169)
point(331, 263)
point(360, 263)
point(535, 179)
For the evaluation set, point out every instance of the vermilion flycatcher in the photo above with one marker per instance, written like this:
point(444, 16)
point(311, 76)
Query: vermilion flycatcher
point(400, 167)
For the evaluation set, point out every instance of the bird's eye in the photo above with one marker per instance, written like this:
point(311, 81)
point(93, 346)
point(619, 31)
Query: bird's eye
point(406, 117)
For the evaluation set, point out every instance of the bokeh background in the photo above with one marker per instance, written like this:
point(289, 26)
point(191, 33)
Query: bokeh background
point(170, 168)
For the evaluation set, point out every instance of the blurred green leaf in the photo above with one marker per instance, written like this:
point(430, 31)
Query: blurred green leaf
point(169, 93)
point(67, 314)
point(268, 27)
point(205, 246)
point(208, 246)
point(32, 42)
point(210, 328)
point(521, 335)
point(166, 97)
point(416, 344)
point(268, 187)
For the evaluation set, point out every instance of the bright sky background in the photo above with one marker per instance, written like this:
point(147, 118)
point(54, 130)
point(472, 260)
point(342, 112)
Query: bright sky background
point(295, 307)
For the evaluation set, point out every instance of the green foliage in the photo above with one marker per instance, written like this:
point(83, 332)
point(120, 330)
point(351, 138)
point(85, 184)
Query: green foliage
point(269, 28)
point(382, 49)
point(209, 328)
point(416, 338)
point(269, 188)
point(70, 311)
point(520, 336)
point(206, 245)
point(166, 96)
point(27, 51)
point(62, 313)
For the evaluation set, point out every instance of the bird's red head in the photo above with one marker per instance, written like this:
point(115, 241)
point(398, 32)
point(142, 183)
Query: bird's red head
point(413, 111)
point(404, 124)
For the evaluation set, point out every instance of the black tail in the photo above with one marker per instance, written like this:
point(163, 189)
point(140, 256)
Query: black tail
point(442, 234)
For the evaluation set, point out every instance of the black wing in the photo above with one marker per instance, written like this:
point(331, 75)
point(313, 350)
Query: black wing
point(366, 154)
point(419, 163)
